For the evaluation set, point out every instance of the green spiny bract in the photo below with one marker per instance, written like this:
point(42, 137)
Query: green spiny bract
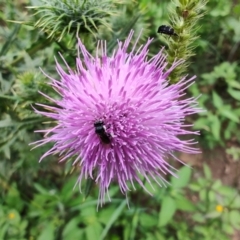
point(25, 89)
point(61, 17)
point(131, 16)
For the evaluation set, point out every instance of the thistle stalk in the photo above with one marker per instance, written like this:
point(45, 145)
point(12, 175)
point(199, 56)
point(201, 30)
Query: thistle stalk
point(184, 18)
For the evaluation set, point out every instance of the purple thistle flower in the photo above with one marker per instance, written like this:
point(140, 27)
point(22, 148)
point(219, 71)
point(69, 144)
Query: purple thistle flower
point(119, 116)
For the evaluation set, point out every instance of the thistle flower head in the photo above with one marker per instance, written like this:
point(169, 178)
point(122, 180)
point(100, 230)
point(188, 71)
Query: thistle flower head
point(119, 116)
point(59, 17)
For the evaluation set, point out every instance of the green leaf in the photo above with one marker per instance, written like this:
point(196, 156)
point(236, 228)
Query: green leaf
point(215, 127)
point(126, 230)
point(147, 220)
point(201, 123)
point(89, 215)
point(236, 9)
point(23, 225)
point(4, 230)
point(198, 218)
point(236, 202)
point(228, 229)
point(229, 114)
point(211, 196)
point(217, 185)
point(11, 38)
point(134, 224)
point(195, 187)
point(67, 193)
point(89, 185)
point(93, 231)
point(213, 214)
point(184, 204)
point(203, 194)
point(203, 231)
point(151, 236)
point(227, 191)
point(105, 214)
point(7, 123)
point(234, 84)
point(72, 230)
point(235, 218)
point(217, 101)
point(40, 189)
point(221, 9)
point(207, 171)
point(202, 182)
point(13, 196)
point(168, 209)
point(113, 218)
point(183, 179)
point(47, 232)
point(234, 93)
point(7, 151)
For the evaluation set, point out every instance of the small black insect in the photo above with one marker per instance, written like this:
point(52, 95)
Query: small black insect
point(101, 132)
point(166, 30)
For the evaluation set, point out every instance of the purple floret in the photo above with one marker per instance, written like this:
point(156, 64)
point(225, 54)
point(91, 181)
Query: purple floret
point(140, 112)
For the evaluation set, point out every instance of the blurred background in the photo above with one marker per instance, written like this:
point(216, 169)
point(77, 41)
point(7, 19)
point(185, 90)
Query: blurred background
point(37, 201)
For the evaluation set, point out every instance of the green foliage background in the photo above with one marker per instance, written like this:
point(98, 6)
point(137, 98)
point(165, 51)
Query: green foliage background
point(37, 201)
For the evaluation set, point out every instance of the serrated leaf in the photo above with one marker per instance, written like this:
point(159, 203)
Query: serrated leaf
point(183, 179)
point(167, 211)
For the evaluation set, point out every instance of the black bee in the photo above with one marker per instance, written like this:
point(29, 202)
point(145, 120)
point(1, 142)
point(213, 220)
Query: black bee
point(166, 30)
point(100, 131)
